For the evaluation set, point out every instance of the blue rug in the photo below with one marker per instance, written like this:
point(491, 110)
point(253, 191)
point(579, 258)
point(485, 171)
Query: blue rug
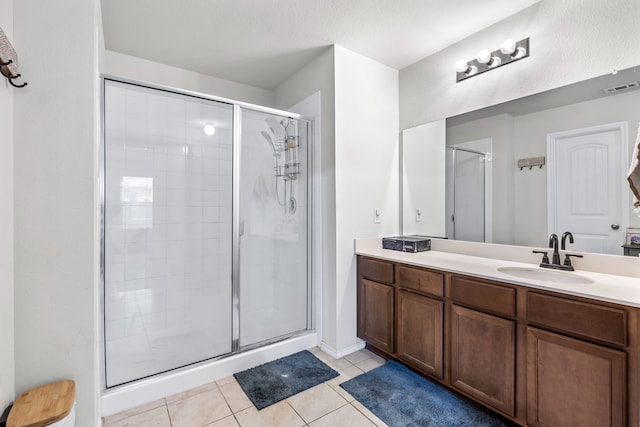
point(274, 381)
point(400, 397)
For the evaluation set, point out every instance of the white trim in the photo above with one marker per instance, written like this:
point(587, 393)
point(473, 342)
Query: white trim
point(144, 391)
point(623, 128)
point(337, 354)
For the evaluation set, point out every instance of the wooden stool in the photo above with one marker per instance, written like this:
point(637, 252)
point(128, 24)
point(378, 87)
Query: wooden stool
point(42, 406)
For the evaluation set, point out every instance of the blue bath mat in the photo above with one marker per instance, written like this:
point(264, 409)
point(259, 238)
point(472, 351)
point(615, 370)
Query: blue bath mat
point(400, 397)
point(274, 381)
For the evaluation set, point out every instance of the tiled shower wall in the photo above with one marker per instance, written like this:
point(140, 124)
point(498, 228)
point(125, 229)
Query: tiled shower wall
point(167, 231)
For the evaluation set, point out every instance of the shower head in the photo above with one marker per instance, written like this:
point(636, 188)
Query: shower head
point(270, 141)
point(276, 127)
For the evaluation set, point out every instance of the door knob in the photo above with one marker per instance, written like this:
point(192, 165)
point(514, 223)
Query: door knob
point(615, 226)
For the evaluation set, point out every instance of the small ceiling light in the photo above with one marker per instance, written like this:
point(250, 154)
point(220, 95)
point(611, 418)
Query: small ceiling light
point(486, 57)
point(463, 67)
point(209, 129)
point(511, 48)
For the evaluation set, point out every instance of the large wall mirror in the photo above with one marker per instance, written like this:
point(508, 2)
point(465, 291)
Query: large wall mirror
point(575, 143)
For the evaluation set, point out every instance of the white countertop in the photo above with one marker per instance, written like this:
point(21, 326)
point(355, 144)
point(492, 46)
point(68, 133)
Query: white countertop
point(605, 287)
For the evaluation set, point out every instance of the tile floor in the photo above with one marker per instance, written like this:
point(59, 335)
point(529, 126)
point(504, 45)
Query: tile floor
point(223, 404)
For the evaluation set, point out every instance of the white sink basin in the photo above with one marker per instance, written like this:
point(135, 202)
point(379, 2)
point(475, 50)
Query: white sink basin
point(543, 275)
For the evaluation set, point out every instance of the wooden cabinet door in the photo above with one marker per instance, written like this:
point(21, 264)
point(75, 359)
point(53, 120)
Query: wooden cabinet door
point(375, 314)
point(483, 357)
point(420, 332)
point(573, 383)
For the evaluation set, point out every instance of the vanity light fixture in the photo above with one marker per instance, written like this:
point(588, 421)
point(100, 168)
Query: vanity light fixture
point(209, 129)
point(486, 60)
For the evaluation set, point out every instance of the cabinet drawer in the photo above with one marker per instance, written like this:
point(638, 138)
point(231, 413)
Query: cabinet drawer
point(588, 320)
point(378, 271)
point(494, 298)
point(421, 280)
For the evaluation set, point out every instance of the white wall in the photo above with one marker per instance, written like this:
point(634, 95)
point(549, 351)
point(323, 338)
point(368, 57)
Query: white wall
point(116, 64)
point(423, 160)
point(359, 166)
point(366, 171)
point(319, 76)
point(500, 129)
point(7, 378)
point(55, 147)
point(571, 40)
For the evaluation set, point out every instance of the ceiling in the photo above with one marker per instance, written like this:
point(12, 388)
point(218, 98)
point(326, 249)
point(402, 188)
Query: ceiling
point(263, 42)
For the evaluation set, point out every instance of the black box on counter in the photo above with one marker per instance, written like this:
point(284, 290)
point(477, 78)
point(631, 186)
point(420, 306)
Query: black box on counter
point(407, 243)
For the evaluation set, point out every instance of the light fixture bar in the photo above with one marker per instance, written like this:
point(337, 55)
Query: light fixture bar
point(509, 52)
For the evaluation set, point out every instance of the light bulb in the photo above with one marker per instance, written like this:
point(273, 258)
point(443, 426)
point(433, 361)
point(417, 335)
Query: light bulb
point(484, 56)
point(209, 129)
point(461, 66)
point(508, 47)
point(495, 61)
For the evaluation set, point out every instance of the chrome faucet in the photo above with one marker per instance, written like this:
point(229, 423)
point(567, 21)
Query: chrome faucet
point(555, 260)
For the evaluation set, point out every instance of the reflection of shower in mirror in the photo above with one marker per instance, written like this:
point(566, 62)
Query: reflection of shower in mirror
point(284, 140)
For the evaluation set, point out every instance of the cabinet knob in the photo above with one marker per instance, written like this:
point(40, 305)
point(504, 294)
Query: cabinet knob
point(615, 226)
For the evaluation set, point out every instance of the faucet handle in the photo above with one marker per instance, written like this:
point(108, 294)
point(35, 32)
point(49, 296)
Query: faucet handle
point(567, 259)
point(545, 257)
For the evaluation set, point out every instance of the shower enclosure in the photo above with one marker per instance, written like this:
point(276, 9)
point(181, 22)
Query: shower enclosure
point(206, 237)
point(466, 199)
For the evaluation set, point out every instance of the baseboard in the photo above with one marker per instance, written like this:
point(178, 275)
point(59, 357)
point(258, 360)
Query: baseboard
point(337, 354)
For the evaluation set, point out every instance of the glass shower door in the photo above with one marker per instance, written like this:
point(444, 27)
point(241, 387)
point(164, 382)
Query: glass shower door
point(465, 195)
point(273, 280)
point(168, 239)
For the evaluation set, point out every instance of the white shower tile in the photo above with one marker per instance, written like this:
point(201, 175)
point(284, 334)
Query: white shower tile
point(135, 267)
point(210, 198)
point(114, 272)
point(175, 249)
point(175, 299)
point(175, 197)
point(176, 214)
point(156, 268)
point(193, 280)
point(175, 232)
point(193, 181)
point(193, 265)
point(211, 230)
point(193, 215)
point(193, 197)
point(211, 214)
point(157, 249)
point(175, 180)
point(175, 266)
point(115, 308)
point(193, 246)
point(114, 329)
point(176, 163)
point(158, 232)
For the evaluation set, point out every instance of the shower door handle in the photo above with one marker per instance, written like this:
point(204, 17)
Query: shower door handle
point(241, 228)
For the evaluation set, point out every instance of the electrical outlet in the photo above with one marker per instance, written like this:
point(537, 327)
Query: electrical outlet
point(418, 215)
point(377, 216)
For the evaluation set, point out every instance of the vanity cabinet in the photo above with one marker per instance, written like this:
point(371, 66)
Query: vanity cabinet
point(537, 357)
point(420, 312)
point(574, 383)
point(576, 370)
point(483, 357)
point(376, 308)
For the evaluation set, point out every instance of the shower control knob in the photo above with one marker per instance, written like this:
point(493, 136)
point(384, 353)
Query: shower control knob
point(615, 226)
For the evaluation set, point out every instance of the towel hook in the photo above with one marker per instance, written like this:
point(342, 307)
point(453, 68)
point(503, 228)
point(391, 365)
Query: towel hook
point(10, 77)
